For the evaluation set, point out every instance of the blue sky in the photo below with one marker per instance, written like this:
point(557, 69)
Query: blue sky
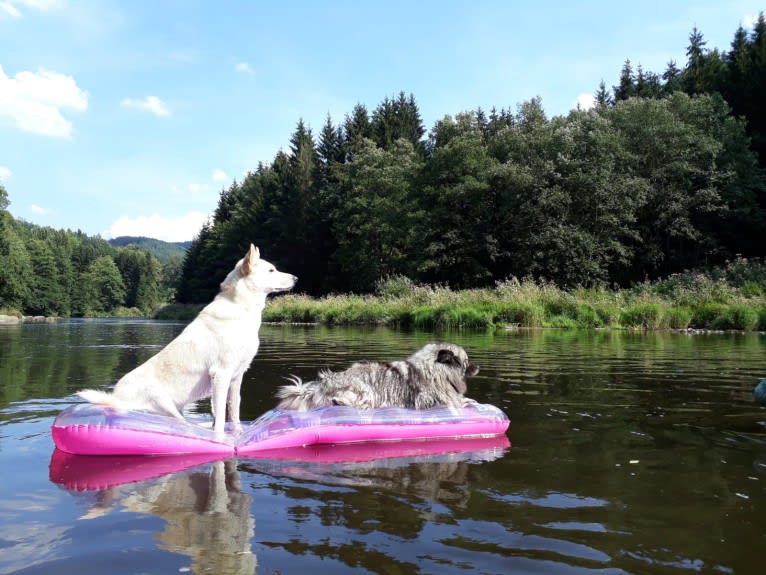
point(129, 118)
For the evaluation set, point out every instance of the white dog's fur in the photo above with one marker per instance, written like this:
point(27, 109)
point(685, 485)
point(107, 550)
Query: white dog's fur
point(210, 356)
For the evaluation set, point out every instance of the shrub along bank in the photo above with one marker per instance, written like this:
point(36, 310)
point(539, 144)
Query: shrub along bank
point(522, 304)
point(728, 298)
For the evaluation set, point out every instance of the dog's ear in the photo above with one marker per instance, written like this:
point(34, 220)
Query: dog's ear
point(250, 257)
point(446, 357)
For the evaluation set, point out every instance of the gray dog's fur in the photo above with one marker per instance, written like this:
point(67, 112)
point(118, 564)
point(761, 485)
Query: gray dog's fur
point(432, 376)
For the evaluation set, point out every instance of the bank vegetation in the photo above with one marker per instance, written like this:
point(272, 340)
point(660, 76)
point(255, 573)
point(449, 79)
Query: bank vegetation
point(732, 297)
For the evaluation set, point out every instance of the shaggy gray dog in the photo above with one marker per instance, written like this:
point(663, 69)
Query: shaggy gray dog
point(432, 376)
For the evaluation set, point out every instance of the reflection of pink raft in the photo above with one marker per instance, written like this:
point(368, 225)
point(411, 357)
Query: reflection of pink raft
point(88, 429)
point(89, 472)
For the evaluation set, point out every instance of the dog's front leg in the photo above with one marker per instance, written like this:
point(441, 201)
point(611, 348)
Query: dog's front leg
point(219, 380)
point(234, 400)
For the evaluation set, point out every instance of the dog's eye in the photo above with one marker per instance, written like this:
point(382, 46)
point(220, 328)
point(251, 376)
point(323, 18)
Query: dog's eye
point(272, 270)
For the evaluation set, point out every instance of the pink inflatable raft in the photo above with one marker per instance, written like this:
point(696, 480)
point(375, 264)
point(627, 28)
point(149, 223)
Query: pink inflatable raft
point(87, 429)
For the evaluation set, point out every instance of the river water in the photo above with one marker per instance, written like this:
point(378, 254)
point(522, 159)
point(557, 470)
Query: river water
point(630, 453)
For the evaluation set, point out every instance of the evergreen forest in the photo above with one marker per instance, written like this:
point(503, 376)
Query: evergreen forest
point(47, 272)
point(664, 174)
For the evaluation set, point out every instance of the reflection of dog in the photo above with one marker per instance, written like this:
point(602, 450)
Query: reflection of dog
point(210, 356)
point(432, 376)
point(207, 515)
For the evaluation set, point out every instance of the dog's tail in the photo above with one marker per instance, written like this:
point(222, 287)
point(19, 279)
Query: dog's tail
point(298, 396)
point(101, 398)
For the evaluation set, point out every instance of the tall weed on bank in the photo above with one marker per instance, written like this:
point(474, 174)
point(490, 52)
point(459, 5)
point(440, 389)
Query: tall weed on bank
point(733, 297)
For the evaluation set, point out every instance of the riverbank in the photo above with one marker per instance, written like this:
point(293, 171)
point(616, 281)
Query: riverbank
point(728, 298)
point(6, 319)
point(692, 301)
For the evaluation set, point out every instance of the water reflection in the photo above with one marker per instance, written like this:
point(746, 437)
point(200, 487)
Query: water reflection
point(209, 517)
point(53, 360)
point(632, 453)
point(206, 514)
point(435, 470)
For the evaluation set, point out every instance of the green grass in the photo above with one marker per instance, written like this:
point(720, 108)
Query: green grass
point(679, 317)
point(712, 300)
point(728, 298)
point(10, 312)
point(643, 316)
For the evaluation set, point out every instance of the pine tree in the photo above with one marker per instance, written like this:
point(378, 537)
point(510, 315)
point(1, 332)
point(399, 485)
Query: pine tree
point(602, 96)
point(394, 119)
point(672, 78)
point(300, 223)
point(44, 293)
point(330, 146)
point(356, 127)
point(195, 283)
point(756, 94)
point(695, 53)
point(626, 88)
point(4, 201)
point(384, 124)
point(647, 84)
point(14, 265)
point(228, 200)
point(331, 158)
point(738, 69)
point(483, 123)
point(410, 123)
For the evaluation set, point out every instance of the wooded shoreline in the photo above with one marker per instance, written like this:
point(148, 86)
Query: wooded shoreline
point(693, 301)
point(731, 297)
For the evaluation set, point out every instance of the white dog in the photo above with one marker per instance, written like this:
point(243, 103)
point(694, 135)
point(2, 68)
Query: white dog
point(210, 356)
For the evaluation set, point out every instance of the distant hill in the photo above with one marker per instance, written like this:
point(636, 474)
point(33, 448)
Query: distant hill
point(163, 251)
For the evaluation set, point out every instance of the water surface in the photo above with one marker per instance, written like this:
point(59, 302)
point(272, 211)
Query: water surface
point(631, 453)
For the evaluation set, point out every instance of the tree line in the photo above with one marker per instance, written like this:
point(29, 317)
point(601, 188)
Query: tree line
point(63, 273)
point(738, 75)
point(662, 175)
point(665, 173)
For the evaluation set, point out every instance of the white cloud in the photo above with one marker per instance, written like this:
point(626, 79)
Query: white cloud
point(244, 68)
point(34, 100)
point(10, 9)
point(37, 210)
point(42, 5)
point(173, 229)
point(5, 173)
point(10, 6)
point(585, 101)
point(749, 21)
point(151, 104)
point(220, 176)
